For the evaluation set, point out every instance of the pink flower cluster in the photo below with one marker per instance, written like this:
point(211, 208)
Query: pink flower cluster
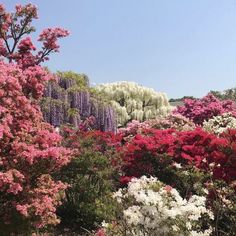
point(200, 110)
point(49, 37)
point(16, 25)
point(30, 149)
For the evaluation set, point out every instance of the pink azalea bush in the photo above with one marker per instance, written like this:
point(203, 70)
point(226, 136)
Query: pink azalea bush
point(200, 110)
point(30, 150)
point(171, 121)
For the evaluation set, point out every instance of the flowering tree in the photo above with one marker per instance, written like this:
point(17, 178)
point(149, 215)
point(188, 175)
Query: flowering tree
point(29, 148)
point(13, 26)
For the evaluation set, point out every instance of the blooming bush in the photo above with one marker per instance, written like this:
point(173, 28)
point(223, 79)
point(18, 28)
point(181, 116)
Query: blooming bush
point(187, 160)
point(222, 199)
point(172, 121)
point(200, 110)
point(220, 124)
point(151, 151)
point(151, 208)
point(30, 150)
point(208, 152)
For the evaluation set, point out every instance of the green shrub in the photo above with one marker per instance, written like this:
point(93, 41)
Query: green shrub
point(90, 175)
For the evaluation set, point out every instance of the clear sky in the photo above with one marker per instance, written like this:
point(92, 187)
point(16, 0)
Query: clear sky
point(181, 47)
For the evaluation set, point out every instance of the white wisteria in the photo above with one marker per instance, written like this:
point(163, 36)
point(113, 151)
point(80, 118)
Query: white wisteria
point(134, 102)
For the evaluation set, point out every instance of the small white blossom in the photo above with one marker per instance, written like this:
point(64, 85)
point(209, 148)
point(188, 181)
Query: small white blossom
point(220, 124)
point(159, 210)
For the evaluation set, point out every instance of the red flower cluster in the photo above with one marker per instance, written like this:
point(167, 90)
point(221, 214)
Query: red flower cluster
point(208, 152)
point(203, 150)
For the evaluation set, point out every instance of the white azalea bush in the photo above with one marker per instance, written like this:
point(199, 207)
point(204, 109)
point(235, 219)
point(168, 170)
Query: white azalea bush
point(134, 102)
point(220, 124)
point(150, 208)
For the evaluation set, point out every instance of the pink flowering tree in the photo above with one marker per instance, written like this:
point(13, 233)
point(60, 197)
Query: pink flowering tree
point(13, 43)
point(30, 150)
point(199, 110)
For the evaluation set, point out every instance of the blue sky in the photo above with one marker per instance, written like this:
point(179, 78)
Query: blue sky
point(184, 47)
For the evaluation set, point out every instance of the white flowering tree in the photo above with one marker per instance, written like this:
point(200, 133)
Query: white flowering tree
point(134, 102)
point(151, 208)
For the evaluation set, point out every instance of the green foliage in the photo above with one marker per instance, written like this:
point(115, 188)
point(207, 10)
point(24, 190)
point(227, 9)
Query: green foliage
point(224, 207)
point(82, 80)
point(181, 99)
point(73, 112)
point(89, 199)
point(226, 94)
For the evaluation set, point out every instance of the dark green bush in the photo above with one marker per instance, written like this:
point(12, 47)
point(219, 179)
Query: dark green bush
point(90, 176)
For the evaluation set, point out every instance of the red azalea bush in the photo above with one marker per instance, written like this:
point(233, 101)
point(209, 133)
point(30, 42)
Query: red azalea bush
point(199, 110)
point(30, 150)
point(190, 161)
point(146, 153)
point(208, 152)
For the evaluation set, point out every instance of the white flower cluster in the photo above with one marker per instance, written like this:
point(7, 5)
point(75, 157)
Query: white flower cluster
point(134, 102)
point(219, 124)
point(152, 208)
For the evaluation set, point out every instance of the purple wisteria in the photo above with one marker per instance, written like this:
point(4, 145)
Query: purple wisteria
point(65, 102)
